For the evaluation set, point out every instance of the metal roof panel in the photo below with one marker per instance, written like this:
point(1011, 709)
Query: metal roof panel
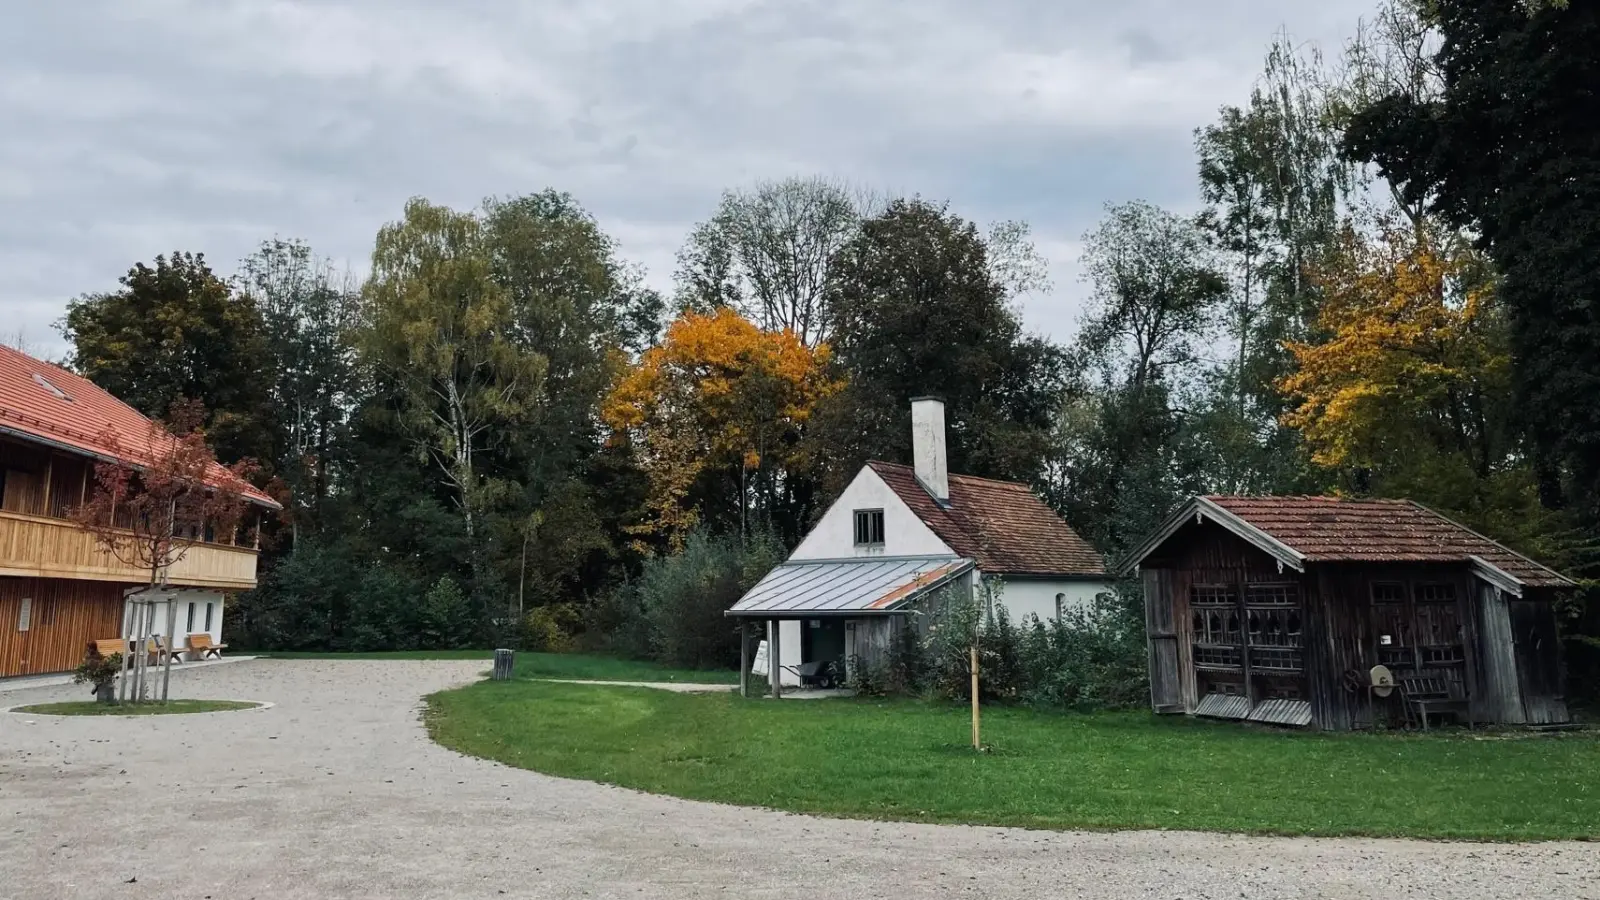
point(835, 586)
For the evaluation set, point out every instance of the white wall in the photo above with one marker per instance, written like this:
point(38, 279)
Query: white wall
point(789, 650)
point(903, 533)
point(183, 597)
point(1037, 596)
point(788, 653)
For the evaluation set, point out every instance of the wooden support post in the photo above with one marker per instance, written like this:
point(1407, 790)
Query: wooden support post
point(172, 626)
point(774, 678)
point(977, 741)
point(744, 659)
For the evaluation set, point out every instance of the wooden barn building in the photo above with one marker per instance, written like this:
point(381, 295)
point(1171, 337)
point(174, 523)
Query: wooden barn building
point(59, 590)
point(1278, 609)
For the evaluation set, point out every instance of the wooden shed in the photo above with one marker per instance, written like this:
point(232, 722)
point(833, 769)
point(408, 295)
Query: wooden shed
point(1277, 609)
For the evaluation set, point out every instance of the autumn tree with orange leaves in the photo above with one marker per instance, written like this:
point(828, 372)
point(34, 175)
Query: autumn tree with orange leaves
point(718, 410)
point(1413, 369)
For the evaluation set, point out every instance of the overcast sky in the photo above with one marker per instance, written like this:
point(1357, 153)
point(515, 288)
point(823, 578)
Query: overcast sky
point(135, 127)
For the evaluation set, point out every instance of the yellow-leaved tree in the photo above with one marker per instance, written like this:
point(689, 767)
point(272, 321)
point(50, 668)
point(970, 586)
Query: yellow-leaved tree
point(1412, 366)
point(717, 412)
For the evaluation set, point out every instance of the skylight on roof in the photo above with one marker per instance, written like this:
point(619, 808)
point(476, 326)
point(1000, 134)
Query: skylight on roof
point(45, 383)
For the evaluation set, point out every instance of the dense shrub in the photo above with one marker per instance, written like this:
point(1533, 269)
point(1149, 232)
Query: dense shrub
point(552, 629)
point(444, 618)
point(1090, 658)
point(673, 611)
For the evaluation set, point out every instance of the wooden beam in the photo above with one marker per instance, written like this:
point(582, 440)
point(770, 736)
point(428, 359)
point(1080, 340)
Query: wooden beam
point(744, 658)
point(49, 471)
point(774, 677)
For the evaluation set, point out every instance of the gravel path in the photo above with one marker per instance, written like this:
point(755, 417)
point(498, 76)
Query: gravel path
point(337, 792)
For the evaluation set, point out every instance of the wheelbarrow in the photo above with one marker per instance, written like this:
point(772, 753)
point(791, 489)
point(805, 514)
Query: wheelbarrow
point(821, 674)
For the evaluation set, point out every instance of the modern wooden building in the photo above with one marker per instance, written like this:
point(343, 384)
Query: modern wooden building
point(58, 589)
point(1277, 609)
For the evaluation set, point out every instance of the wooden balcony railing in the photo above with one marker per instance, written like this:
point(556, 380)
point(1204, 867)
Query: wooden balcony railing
point(40, 547)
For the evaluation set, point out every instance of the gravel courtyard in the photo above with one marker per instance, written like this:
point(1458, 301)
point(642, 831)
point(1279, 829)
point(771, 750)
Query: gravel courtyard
point(336, 791)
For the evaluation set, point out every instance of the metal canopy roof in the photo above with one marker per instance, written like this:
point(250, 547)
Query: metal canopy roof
point(854, 587)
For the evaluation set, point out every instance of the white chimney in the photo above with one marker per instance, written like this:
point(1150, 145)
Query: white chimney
point(928, 455)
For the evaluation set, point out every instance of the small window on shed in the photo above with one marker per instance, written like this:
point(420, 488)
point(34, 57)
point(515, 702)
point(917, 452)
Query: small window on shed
point(869, 527)
point(1061, 606)
point(1388, 592)
point(1436, 592)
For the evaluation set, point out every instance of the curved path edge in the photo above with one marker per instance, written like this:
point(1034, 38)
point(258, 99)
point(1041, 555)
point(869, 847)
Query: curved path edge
point(337, 791)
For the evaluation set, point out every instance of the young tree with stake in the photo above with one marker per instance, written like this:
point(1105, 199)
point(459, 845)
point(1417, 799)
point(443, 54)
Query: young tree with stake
point(148, 506)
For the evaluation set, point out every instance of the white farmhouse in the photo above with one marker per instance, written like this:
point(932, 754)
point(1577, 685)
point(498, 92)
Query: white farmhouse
point(898, 533)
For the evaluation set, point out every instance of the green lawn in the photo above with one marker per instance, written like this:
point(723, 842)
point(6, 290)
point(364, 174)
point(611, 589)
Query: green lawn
point(170, 708)
point(908, 760)
point(552, 665)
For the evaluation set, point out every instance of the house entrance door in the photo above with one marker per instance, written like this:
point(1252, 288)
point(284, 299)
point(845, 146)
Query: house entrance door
point(822, 640)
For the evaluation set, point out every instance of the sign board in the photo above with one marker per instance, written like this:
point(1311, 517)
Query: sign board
point(759, 667)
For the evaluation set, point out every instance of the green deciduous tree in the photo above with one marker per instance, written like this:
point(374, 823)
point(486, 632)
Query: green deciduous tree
point(308, 311)
point(916, 307)
point(441, 329)
point(175, 331)
point(1509, 148)
point(766, 252)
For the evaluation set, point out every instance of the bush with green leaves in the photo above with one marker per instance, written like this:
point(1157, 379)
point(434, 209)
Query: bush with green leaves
point(552, 628)
point(673, 612)
point(1092, 657)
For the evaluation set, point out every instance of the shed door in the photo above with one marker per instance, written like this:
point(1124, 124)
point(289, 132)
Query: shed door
point(1166, 694)
point(1533, 628)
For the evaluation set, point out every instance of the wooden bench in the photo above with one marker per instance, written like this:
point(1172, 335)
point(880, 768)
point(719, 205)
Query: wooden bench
point(201, 644)
point(104, 648)
point(161, 650)
point(1429, 694)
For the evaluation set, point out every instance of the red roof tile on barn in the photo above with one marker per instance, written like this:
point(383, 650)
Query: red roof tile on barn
point(1337, 529)
point(1001, 525)
point(47, 402)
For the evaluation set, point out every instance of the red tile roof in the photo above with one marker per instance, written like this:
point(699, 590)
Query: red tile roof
point(999, 524)
point(1337, 529)
point(49, 403)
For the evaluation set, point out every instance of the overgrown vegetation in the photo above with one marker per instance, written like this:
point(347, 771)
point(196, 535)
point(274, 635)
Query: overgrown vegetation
point(909, 760)
point(1091, 658)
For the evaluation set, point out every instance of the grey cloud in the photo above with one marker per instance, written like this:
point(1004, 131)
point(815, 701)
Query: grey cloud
point(135, 127)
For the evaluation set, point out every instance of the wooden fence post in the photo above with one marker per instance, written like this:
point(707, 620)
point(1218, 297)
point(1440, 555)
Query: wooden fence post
point(977, 743)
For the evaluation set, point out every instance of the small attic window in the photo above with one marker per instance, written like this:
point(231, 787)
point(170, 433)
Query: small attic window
point(45, 383)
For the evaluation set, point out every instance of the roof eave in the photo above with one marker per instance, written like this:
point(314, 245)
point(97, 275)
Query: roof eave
point(1497, 576)
point(263, 501)
point(1564, 580)
point(1202, 508)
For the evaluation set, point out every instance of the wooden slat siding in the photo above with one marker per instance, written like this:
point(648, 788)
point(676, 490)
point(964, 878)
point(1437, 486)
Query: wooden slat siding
point(66, 485)
point(871, 644)
point(66, 616)
point(1502, 698)
point(35, 546)
point(1538, 654)
point(1166, 691)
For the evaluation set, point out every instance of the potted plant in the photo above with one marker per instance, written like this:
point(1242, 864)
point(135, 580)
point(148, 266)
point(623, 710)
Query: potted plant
point(100, 671)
